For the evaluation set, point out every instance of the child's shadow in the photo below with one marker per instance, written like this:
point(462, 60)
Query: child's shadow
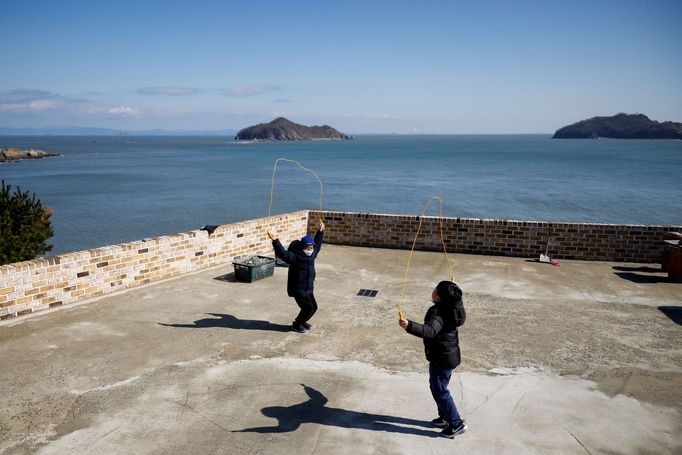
point(231, 322)
point(314, 411)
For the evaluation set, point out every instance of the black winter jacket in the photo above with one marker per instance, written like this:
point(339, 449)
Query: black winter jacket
point(439, 331)
point(301, 267)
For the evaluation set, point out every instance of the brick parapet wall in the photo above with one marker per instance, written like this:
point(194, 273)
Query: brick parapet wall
point(36, 285)
point(583, 241)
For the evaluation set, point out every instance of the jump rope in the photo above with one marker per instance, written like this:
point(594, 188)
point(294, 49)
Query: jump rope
point(414, 242)
point(274, 171)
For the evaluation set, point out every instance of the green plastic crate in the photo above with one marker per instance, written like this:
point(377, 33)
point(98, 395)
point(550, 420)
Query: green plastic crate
point(247, 273)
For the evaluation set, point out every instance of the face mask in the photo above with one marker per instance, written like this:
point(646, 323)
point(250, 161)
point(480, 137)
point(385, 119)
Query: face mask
point(308, 252)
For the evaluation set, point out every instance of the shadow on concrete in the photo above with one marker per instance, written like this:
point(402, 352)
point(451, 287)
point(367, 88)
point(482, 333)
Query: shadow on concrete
point(228, 278)
point(314, 411)
point(643, 279)
point(673, 312)
point(230, 322)
point(643, 269)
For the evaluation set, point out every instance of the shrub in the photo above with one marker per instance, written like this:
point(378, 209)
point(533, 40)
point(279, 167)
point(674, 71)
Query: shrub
point(24, 226)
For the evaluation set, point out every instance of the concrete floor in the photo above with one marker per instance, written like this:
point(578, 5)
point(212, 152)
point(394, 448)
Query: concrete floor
point(581, 358)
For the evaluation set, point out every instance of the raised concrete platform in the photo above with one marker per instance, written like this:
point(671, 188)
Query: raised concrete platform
point(582, 358)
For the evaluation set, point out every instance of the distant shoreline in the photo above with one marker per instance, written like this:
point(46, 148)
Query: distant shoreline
point(13, 154)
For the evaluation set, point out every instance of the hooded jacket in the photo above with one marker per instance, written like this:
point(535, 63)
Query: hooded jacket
point(439, 331)
point(301, 267)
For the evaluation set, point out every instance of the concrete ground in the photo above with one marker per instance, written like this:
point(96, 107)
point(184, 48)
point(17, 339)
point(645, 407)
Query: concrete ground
point(581, 358)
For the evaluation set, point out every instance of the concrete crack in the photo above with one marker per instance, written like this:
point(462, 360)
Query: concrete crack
point(189, 408)
point(488, 397)
point(524, 394)
point(578, 440)
point(317, 440)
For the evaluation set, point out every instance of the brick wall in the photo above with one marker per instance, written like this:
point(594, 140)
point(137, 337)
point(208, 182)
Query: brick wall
point(36, 285)
point(584, 241)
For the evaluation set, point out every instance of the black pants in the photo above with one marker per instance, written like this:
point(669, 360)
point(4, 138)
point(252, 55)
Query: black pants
point(308, 306)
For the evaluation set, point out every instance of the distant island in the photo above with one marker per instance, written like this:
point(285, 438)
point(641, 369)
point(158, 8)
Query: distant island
point(282, 129)
point(621, 126)
point(15, 154)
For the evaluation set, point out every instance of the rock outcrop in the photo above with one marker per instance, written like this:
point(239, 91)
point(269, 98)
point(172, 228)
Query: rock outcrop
point(14, 154)
point(621, 126)
point(282, 129)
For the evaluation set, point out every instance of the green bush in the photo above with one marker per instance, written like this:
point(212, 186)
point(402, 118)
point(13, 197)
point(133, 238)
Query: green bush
point(24, 226)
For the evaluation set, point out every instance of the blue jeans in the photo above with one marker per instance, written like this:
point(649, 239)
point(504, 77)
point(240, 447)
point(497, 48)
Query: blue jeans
point(439, 377)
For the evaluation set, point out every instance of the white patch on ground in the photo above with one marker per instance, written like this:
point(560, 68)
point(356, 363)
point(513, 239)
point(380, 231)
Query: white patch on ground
point(189, 363)
point(322, 357)
point(87, 329)
point(515, 370)
point(517, 410)
point(108, 386)
point(368, 275)
point(38, 437)
point(494, 264)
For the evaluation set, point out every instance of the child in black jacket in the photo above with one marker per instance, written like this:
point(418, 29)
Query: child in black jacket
point(441, 345)
point(301, 256)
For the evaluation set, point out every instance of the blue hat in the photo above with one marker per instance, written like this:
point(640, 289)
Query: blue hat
point(307, 240)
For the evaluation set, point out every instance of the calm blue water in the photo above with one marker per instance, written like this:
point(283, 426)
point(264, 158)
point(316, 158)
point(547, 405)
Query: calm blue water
point(107, 190)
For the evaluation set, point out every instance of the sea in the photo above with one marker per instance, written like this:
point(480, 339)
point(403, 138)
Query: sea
point(112, 189)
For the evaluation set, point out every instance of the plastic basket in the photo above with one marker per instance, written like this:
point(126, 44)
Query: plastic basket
point(247, 273)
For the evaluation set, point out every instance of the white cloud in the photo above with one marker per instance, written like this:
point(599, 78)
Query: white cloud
point(25, 96)
point(124, 110)
point(42, 104)
point(117, 111)
point(168, 91)
point(27, 100)
point(243, 91)
point(36, 105)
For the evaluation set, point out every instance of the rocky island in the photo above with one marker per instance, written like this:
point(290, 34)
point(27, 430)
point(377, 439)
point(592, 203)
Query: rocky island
point(282, 129)
point(621, 126)
point(15, 154)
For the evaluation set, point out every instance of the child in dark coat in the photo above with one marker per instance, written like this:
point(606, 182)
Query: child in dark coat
point(441, 344)
point(301, 256)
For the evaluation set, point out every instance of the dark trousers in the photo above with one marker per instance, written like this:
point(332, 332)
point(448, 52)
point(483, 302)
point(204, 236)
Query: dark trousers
point(308, 306)
point(439, 378)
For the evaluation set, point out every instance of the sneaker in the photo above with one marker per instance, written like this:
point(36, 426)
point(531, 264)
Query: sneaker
point(298, 328)
point(439, 422)
point(307, 326)
point(451, 431)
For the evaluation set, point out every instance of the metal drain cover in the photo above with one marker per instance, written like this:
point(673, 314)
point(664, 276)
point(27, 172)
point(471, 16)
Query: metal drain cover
point(367, 293)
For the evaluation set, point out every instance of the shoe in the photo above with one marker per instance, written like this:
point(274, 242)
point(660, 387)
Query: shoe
point(451, 431)
point(307, 326)
point(439, 422)
point(298, 328)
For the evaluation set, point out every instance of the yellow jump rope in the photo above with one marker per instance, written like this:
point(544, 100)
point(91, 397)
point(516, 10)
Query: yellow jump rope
point(401, 314)
point(414, 242)
point(274, 171)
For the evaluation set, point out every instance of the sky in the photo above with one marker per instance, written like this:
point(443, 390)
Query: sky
point(447, 67)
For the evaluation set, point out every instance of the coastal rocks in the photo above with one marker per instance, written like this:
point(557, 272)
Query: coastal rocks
point(621, 126)
point(282, 129)
point(15, 154)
